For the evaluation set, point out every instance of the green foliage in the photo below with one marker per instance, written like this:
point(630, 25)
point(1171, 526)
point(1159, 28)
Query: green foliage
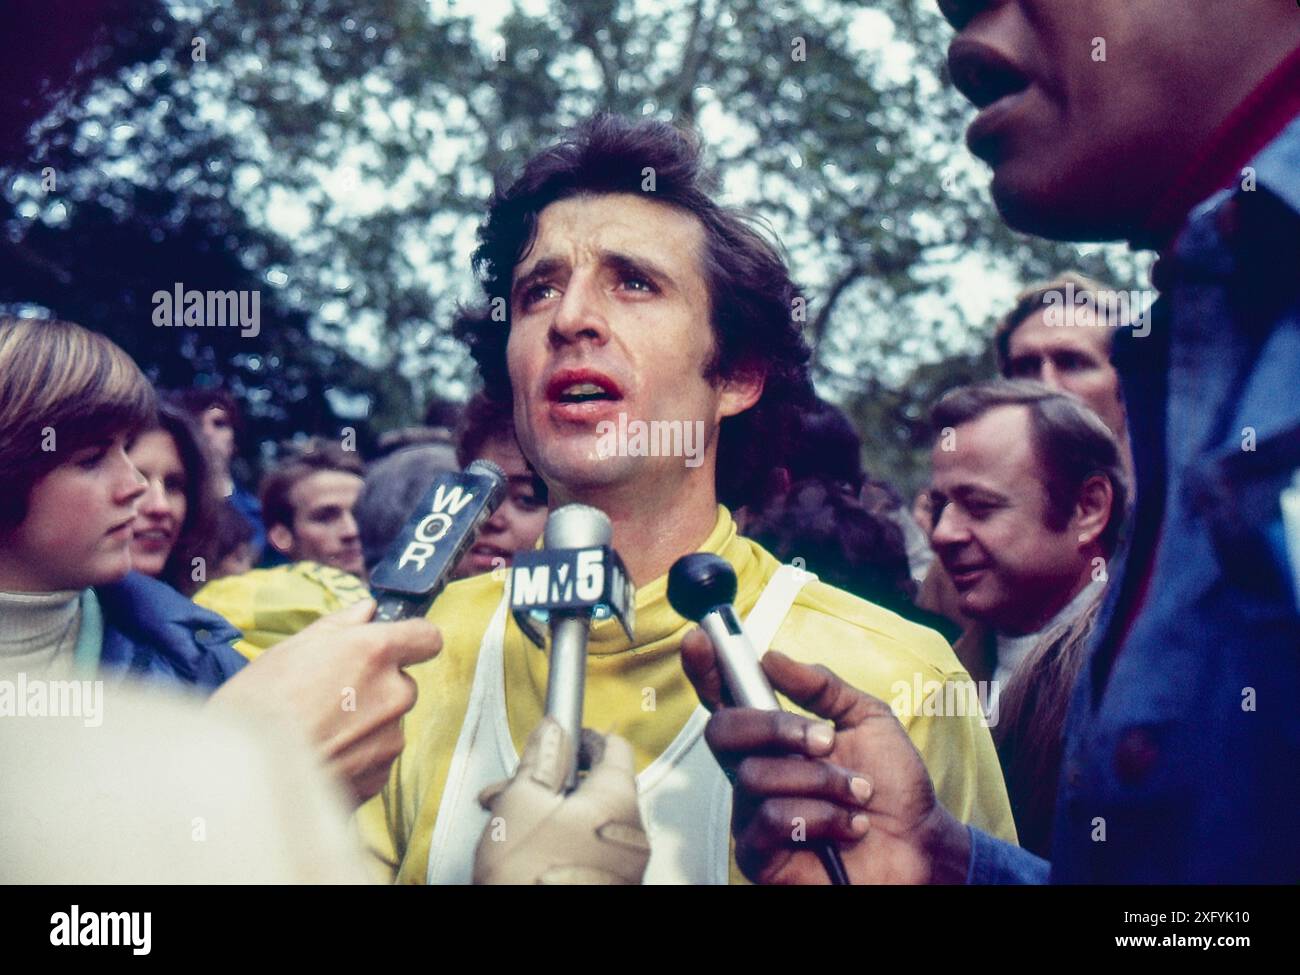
point(337, 155)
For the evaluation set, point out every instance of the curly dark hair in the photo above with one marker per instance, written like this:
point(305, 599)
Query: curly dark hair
point(846, 545)
point(752, 297)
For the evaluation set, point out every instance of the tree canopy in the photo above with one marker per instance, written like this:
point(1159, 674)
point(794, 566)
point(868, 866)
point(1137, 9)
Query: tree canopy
point(335, 157)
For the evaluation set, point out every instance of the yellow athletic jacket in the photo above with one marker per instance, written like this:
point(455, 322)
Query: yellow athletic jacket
point(267, 605)
point(869, 647)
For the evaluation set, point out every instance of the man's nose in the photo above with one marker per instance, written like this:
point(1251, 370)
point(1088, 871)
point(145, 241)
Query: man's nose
point(580, 313)
point(1048, 376)
point(350, 530)
point(949, 528)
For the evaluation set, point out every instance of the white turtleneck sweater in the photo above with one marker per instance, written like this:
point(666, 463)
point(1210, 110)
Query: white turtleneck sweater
point(38, 633)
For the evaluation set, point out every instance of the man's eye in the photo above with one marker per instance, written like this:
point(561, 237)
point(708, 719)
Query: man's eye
point(529, 502)
point(637, 283)
point(1072, 363)
point(535, 293)
point(1021, 368)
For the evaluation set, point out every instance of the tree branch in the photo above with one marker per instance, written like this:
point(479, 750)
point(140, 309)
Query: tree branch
point(819, 323)
point(584, 33)
point(681, 100)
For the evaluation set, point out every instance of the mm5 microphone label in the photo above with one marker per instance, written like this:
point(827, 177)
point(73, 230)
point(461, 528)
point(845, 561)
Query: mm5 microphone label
point(575, 581)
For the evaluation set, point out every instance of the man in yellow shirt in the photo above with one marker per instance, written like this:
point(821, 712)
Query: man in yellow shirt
point(652, 350)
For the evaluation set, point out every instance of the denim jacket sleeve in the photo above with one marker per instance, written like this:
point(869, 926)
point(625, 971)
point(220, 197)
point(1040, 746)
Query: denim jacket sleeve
point(994, 862)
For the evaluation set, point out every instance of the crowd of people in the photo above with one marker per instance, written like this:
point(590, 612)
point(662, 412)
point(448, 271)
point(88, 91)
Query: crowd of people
point(1067, 658)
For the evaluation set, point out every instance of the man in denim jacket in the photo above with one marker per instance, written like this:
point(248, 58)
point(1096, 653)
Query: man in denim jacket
point(1174, 125)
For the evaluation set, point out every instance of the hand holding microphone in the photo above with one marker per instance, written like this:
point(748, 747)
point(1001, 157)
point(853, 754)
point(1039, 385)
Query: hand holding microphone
point(540, 833)
point(546, 827)
point(702, 587)
point(345, 653)
point(853, 778)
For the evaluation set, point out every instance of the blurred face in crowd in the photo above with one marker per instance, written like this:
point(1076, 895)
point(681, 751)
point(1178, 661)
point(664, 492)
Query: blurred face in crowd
point(160, 512)
point(1089, 108)
point(990, 502)
point(219, 433)
point(1074, 359)
point(323, 528)
point(517, 523)
point(610, 315)
point(237, 562)
point(78, 527)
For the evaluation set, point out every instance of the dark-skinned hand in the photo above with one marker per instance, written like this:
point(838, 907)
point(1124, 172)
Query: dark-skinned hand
point(854, 779)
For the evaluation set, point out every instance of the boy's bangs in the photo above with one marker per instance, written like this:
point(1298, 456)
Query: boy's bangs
point(75, 384)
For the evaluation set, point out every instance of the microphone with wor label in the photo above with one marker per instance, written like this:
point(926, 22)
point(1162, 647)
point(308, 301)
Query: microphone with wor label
point(702, 588)
point(438, 534)
point(575, 578)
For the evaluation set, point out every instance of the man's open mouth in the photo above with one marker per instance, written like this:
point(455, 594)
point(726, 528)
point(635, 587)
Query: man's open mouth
point(572, 386)
point(583, 393)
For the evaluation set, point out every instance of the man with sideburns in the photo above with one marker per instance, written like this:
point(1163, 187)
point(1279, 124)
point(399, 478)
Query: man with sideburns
point(630, 290)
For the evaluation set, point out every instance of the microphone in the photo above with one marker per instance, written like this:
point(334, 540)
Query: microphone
point(576, 577)
point(440, 530)
point(702, 588)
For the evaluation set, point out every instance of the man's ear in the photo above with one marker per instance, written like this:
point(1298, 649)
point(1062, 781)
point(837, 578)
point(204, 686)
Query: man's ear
point(1092, 512)
point(281, 538)
point(740, 392)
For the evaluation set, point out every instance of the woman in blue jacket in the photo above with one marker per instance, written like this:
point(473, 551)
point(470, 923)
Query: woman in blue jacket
point(71, 403)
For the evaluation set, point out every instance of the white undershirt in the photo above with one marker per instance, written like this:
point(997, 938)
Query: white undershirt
point(1012, 649)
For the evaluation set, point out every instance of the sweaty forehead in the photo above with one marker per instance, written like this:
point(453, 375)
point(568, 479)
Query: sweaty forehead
point(582, 228)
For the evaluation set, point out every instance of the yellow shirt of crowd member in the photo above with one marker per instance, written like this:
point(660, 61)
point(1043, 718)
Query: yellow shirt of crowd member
point(868, 646)
point(268, 605)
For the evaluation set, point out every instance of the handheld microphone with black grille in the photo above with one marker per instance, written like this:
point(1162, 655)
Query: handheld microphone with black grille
point(702, 587)
point(575, 578)
point(438, 534)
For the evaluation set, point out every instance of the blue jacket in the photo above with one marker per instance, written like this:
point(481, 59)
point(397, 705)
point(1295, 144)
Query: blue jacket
point(250, 508)
point(1182, 744)
point(152, 632)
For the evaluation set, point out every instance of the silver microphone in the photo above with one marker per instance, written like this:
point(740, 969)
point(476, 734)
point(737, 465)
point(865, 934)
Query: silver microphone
point(575, 526)
point(701, 587)
point(574, 578)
